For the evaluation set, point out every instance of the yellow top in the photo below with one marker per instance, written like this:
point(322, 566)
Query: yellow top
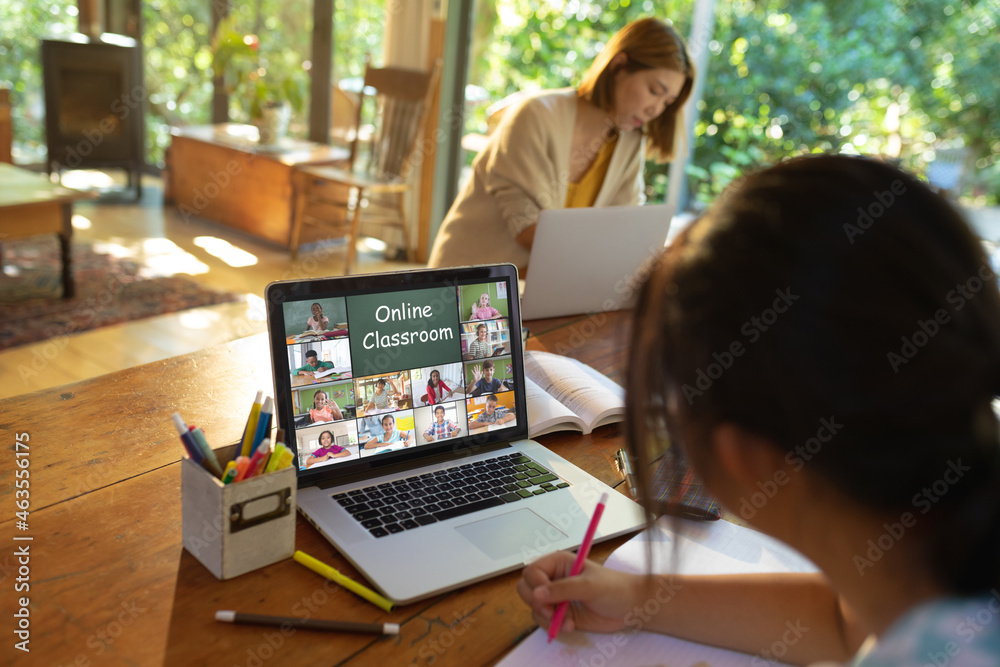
point(583, 193)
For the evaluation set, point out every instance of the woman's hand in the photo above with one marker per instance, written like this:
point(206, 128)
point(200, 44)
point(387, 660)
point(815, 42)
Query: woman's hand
point(600, 599)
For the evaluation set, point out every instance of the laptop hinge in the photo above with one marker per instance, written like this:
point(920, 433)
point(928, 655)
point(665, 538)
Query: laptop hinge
point(412, 465)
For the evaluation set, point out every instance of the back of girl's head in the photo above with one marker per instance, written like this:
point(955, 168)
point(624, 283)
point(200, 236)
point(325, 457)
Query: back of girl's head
point(839, 308)
point(648, 43)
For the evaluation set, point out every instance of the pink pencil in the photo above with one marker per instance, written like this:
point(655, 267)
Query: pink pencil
point(577, 568)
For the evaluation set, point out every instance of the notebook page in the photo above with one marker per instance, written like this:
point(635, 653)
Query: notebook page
point(715, 547)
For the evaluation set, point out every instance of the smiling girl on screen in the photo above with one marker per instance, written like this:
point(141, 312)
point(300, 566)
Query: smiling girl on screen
point(573, 147)
point(900, 507)
point(437, 389)
point(317, 322)
point(323, 409)
point(327, 450)
point(390, 435)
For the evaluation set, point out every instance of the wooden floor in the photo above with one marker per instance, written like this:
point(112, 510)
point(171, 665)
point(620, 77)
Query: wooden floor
point(165, 243)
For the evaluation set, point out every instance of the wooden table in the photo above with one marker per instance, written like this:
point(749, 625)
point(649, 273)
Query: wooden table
point(110, 582)
point(221, 173)
point(31, 204)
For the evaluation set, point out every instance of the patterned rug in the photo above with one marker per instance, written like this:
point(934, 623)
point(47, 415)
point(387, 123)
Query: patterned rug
point(109, 290)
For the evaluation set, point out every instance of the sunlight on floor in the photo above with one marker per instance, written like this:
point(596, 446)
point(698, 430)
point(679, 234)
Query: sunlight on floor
point(373, 244)
point(86, 180)
point(159, 257)
point(226, 251)
point(81, 222)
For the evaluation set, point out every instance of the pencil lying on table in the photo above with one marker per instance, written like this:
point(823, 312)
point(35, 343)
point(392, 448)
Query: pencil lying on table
point(228, 616)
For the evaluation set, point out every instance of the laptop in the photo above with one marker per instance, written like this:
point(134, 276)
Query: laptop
point(592, 260)
point(423, 492)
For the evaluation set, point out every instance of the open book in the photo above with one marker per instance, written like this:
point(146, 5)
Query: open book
point(567, 395)
point(319, 375)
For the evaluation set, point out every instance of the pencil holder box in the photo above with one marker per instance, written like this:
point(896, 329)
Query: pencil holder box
point(238, 527)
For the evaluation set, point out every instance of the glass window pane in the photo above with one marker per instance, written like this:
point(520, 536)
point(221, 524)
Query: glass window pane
point(22, 25)
point(177, 68)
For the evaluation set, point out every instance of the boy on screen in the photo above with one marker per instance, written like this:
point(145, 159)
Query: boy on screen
point(441, 428)
point(313, 364)
point(493, 416)
point(485, 383)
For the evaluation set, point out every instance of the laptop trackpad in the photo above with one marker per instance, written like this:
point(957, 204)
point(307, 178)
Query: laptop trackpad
point(521, 531)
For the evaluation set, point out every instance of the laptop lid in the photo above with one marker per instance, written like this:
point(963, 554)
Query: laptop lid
point(590, 260)
point(353, 358)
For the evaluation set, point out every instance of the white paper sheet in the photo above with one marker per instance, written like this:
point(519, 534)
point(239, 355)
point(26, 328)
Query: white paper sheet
point(715, 547)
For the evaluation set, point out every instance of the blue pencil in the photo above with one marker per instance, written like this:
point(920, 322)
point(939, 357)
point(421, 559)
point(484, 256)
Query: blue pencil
point(263, 423)
point(187, 439)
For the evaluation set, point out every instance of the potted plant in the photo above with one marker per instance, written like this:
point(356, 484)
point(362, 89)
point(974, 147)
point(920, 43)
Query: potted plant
point(268, 89)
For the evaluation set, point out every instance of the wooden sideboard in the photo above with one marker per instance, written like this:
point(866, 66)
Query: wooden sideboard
point(221, 173)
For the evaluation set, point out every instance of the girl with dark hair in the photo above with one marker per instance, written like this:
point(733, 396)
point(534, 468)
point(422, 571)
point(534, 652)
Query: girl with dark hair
point(323, 409)
point(326, 451)
point(389, 435)
point(833, 326)
point(437, 389)
point(574, 147)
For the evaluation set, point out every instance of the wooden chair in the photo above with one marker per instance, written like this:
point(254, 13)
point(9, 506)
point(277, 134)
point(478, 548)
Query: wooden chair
point(333, 199)
point(343, 117)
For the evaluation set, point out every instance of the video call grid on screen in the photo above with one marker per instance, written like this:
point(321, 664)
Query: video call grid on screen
point(359, 370)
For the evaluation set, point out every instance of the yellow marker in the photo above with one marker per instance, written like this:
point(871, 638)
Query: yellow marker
point(251, 427)
point(285, 460)
point(272, 463)
point(325, 570)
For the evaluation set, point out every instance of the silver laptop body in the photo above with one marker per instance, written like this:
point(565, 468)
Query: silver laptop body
point(592, 260)
point(456, 548)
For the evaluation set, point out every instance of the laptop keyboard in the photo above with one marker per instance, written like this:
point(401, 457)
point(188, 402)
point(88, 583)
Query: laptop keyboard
point(406, 504)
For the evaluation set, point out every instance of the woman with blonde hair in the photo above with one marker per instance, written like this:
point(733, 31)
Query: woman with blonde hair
point(573, 147)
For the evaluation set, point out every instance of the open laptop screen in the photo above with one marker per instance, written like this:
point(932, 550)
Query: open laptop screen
point(382, 369)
